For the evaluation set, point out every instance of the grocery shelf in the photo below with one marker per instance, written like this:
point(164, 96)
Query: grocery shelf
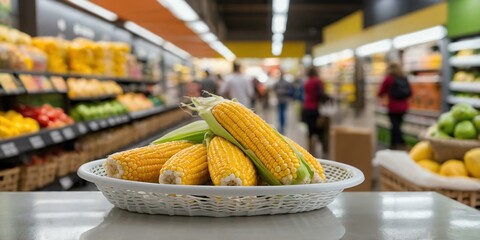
point(465, 61)
point(432, 70)
point(464, 44)
point(475, 102)
point(46, 137)
point(92, 99)
point(473, 87)
point(424, 113)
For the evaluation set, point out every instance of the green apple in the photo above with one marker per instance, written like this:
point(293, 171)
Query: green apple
point(446, 123)
point(463, 112)
point(476, 122)
point(465, 130)
point(440, 134)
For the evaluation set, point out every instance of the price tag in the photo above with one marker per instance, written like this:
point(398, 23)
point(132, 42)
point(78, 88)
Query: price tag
point(9, 149)
point(66, 182)
point(103, 123)
point(111, 121)
point(81, 128)
point(56, 136)
point(125, 118)
point(37, 142)
point(93, 125)
point(68, 133)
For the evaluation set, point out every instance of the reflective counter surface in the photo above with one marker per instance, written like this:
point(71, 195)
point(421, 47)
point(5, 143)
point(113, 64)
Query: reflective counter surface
point(88, 215)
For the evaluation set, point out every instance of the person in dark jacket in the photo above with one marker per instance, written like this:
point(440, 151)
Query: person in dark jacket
point(396, 107)
point(284, 91)
point(209, 85)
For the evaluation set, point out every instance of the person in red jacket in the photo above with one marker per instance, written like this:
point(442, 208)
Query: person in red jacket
point(396, 82)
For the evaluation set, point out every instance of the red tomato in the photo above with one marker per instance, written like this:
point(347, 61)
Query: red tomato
point(43, 121)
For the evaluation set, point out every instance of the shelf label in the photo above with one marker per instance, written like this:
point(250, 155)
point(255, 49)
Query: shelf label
point(124, 118)
point(81, 128)
point(56, 136)
point(103, 124)
point(37, 142)
point(66, 182)
point(9, 149)
point(93, 125)
point(68, 133)
point(111, 121)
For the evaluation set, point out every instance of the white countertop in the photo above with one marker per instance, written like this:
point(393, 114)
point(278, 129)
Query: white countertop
point(88, 215)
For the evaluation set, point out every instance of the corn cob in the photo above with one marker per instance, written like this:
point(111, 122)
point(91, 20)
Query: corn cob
point(142, 164)
point(228, 165)
point(193, 132)
point(318, 173)
point(276, 160)
point(187, 167)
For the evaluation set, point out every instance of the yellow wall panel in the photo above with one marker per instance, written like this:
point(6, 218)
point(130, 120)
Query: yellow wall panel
point(418, 20)
point(346, 27)
point(263, 49)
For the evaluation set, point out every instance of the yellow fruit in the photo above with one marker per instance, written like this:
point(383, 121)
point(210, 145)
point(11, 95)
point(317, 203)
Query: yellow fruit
point(421, 151)
point(430, 165)
point(453, 168)
point(472, 162)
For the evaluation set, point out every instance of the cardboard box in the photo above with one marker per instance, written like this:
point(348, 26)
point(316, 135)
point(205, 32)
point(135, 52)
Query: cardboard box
point(354, 146)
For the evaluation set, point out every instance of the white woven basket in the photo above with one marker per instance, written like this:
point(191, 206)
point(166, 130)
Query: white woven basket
point(219, 201)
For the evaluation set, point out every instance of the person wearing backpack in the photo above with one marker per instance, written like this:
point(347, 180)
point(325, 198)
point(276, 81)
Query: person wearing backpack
point(398, 90)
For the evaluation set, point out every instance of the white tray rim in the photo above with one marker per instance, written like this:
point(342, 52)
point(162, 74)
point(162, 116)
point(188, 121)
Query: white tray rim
point(357, 178)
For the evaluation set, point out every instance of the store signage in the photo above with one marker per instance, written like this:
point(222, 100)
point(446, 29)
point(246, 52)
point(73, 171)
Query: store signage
point(56, 136)
point(9, 149)
point(37, 142)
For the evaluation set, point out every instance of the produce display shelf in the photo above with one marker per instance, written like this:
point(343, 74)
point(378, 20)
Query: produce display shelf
point(425, 113)
point(65, 75)
point(405, 130)
point(431, 70)
point(475, 102)
point(466, 61)
point(92, 99)
point(473, 87)
point(11, 93)
point(47, 137)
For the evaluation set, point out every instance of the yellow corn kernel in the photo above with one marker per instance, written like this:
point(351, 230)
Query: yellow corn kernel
point(315, 166)
point(142, 164)
point(228, 165)
point(187, 167)
point(255, 134)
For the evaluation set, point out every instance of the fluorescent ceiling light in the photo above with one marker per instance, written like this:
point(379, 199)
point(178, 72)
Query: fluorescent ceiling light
point(280, 6)
point(279, 23)
point(345, 54)
point(198, 27)
point(423, 36)
point(375, 47)
point(333, 57)
point(323, 60)
point(176, 50)
point(208, 37)
point(277, 48)
point(97, 10)
point(223, 50)
point(465, 44)
point(180, 9)
point(135, 28)
point(277, 37)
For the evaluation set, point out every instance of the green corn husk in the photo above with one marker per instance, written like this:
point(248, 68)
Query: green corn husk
point(204, 106)
point(194, 132)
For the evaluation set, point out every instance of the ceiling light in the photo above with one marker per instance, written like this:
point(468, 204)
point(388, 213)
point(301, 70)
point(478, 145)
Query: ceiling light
point(198, 27)
point(375, 47)
point(280, 6)
point(279, 23)
point(180, 9)
point(176, 50)
point(140, 31)
point(277, 37)
point(97, 10)
point(473, 43)
point(345, 54)
point(277, 48)
point(323, 60)
point(223, 50)
point(423, 36)
point(208, 37)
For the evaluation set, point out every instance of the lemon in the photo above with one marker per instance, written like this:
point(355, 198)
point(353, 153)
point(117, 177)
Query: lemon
point(429, 165)
point(421, 151)
point(472, 162)
point(453, 168)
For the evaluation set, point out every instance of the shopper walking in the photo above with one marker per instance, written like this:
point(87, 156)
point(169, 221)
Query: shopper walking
point(238, 86)
point(397, 88)
point(283, 90)
point(313, 95)
point(209, 85)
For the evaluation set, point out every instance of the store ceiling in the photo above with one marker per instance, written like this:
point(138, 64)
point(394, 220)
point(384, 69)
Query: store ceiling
point(153, 16)
point(251, 19)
